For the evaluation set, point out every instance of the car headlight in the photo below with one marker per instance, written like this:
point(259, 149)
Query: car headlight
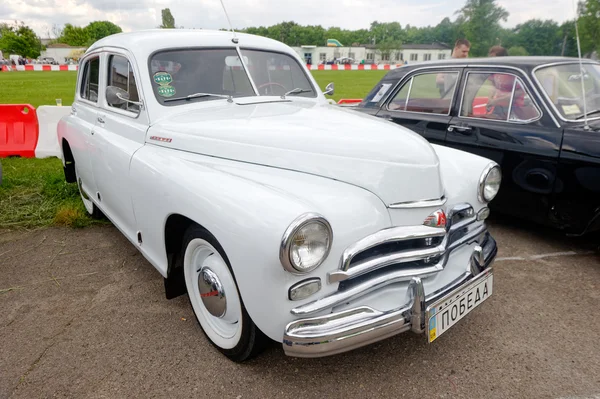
point(489, 183)
point(305, 243)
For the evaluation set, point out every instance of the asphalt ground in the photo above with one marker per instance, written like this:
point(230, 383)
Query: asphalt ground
point(83, 315)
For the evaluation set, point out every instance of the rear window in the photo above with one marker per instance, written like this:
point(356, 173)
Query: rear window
point(377, 94)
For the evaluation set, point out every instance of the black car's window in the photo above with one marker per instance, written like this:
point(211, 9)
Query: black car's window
point(429, 93)
point(120, 75)
point(377, 93)
point(89, 80)
point(497, 96)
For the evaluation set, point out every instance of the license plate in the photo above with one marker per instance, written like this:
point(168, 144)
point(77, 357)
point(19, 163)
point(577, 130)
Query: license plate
point(449, 310)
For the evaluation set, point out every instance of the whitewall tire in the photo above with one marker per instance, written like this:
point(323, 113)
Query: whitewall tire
point(215, 299)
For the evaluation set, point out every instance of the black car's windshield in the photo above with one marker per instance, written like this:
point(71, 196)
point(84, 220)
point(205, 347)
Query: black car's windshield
point(182, 74)
point(563, 85)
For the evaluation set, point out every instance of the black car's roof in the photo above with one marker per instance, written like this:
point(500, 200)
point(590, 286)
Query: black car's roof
point(524, 63)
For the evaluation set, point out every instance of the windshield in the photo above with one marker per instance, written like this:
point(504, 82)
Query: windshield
point(562, 84)
point(192, 75)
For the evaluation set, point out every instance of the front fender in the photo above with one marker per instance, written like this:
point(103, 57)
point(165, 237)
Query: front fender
point(248, 208)
point(460, 173)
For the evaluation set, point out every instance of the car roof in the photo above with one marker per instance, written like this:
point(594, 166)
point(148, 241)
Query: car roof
point(145, 42)
point(526, 63)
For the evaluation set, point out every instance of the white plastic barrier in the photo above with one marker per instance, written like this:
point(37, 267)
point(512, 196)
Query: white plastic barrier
point(48, 117)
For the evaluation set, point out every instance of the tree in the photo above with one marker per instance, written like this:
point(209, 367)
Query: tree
point(538, 37)
point(75, 36)
point(481, 24)
point(589, 25)
point(19, 39)
point(517, 51)
point(99, 29)
point(168, 21)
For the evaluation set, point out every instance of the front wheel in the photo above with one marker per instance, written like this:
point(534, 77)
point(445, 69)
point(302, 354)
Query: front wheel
point(215, 298)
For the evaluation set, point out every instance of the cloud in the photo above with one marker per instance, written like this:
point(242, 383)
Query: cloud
point(208, 14)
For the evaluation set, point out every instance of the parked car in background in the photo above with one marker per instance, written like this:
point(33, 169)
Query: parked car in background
point(525, 113)
point(213, 154)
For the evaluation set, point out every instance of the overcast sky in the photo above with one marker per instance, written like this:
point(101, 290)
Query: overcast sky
point(208, 14)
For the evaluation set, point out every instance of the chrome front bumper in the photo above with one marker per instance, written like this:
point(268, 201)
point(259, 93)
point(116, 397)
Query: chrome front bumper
point(350, 329)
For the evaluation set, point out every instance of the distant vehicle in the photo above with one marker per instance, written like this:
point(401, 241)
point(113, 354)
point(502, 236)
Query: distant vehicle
point(216, 157)
point(525, 113)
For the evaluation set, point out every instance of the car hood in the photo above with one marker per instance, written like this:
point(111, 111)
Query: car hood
point(392, 162)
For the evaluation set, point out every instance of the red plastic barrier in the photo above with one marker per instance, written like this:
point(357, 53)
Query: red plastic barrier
point(349, 100)
point(19, 130)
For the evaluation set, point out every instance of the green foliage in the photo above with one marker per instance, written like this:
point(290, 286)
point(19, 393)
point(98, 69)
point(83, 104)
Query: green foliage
point(481, 24)
point(168, 21)
point(517, 51)
point(539, 37)
point(19, 39)
point(75, 36)
point(589, 25)
point(99, 29)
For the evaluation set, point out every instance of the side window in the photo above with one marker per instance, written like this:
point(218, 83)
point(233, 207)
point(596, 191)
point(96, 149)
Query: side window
point(120, 76)
point(497, 96)
point(90, 79)
point(429, 93)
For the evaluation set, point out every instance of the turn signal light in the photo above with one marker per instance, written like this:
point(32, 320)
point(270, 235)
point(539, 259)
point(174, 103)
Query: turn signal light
point(436, 219)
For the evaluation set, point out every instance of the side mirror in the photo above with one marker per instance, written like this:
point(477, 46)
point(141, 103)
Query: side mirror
point(329, 89)
point(116, 95)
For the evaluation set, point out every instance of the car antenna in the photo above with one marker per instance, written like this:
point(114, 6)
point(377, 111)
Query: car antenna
point(235, 39)
point(581, 71)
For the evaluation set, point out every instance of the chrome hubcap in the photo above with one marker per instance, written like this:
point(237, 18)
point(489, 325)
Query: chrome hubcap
point(212, 292)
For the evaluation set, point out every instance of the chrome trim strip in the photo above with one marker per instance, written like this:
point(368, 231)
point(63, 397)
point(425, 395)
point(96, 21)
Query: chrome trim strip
point(390, 259)
point(534, 70)
point(366, 287)
point(412, 79)
point(385, 236)
point(512, 96)
point(419, 204)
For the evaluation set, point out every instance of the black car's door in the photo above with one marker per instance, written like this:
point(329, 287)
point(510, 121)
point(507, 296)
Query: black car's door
point(500, 118)
point(422, 102)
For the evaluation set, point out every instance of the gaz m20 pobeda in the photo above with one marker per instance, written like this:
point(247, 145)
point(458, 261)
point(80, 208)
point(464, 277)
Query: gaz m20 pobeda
point(280, 215)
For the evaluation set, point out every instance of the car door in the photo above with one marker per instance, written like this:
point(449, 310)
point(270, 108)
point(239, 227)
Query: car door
point(422, 102)
point(500, 119)
point(84, 112)
point(119, 132)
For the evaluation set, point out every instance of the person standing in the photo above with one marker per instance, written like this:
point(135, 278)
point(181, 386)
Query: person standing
point(461, 48)
point(444, 82)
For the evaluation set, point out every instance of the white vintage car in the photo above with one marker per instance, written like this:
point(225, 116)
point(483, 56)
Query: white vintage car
point(282, 216)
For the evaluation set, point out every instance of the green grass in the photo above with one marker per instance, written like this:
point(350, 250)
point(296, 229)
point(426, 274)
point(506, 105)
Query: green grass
point(37, 88)
point(349, 84)
point(34, 193)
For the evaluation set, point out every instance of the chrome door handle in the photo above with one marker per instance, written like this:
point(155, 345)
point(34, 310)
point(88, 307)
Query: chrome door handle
point(100, 120)
point(451, 128)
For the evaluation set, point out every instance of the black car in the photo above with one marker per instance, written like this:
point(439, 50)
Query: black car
point(526, 113)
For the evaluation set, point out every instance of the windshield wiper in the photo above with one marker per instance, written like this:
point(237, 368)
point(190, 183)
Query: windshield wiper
point(297, 90)
point(199, 95)
point(587, 114)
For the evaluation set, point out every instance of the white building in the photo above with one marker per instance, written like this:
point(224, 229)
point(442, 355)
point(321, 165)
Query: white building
point(62, 52)
point(370, 54)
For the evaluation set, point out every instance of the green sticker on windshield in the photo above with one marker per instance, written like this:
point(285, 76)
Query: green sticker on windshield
point(162, 78)
point(166, 91)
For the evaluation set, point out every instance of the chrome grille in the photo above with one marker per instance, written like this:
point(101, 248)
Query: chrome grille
point(410, 250)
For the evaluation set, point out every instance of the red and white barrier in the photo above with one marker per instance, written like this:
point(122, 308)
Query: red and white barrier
point(48, 118)
point(39, 68)
point(346, 67)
